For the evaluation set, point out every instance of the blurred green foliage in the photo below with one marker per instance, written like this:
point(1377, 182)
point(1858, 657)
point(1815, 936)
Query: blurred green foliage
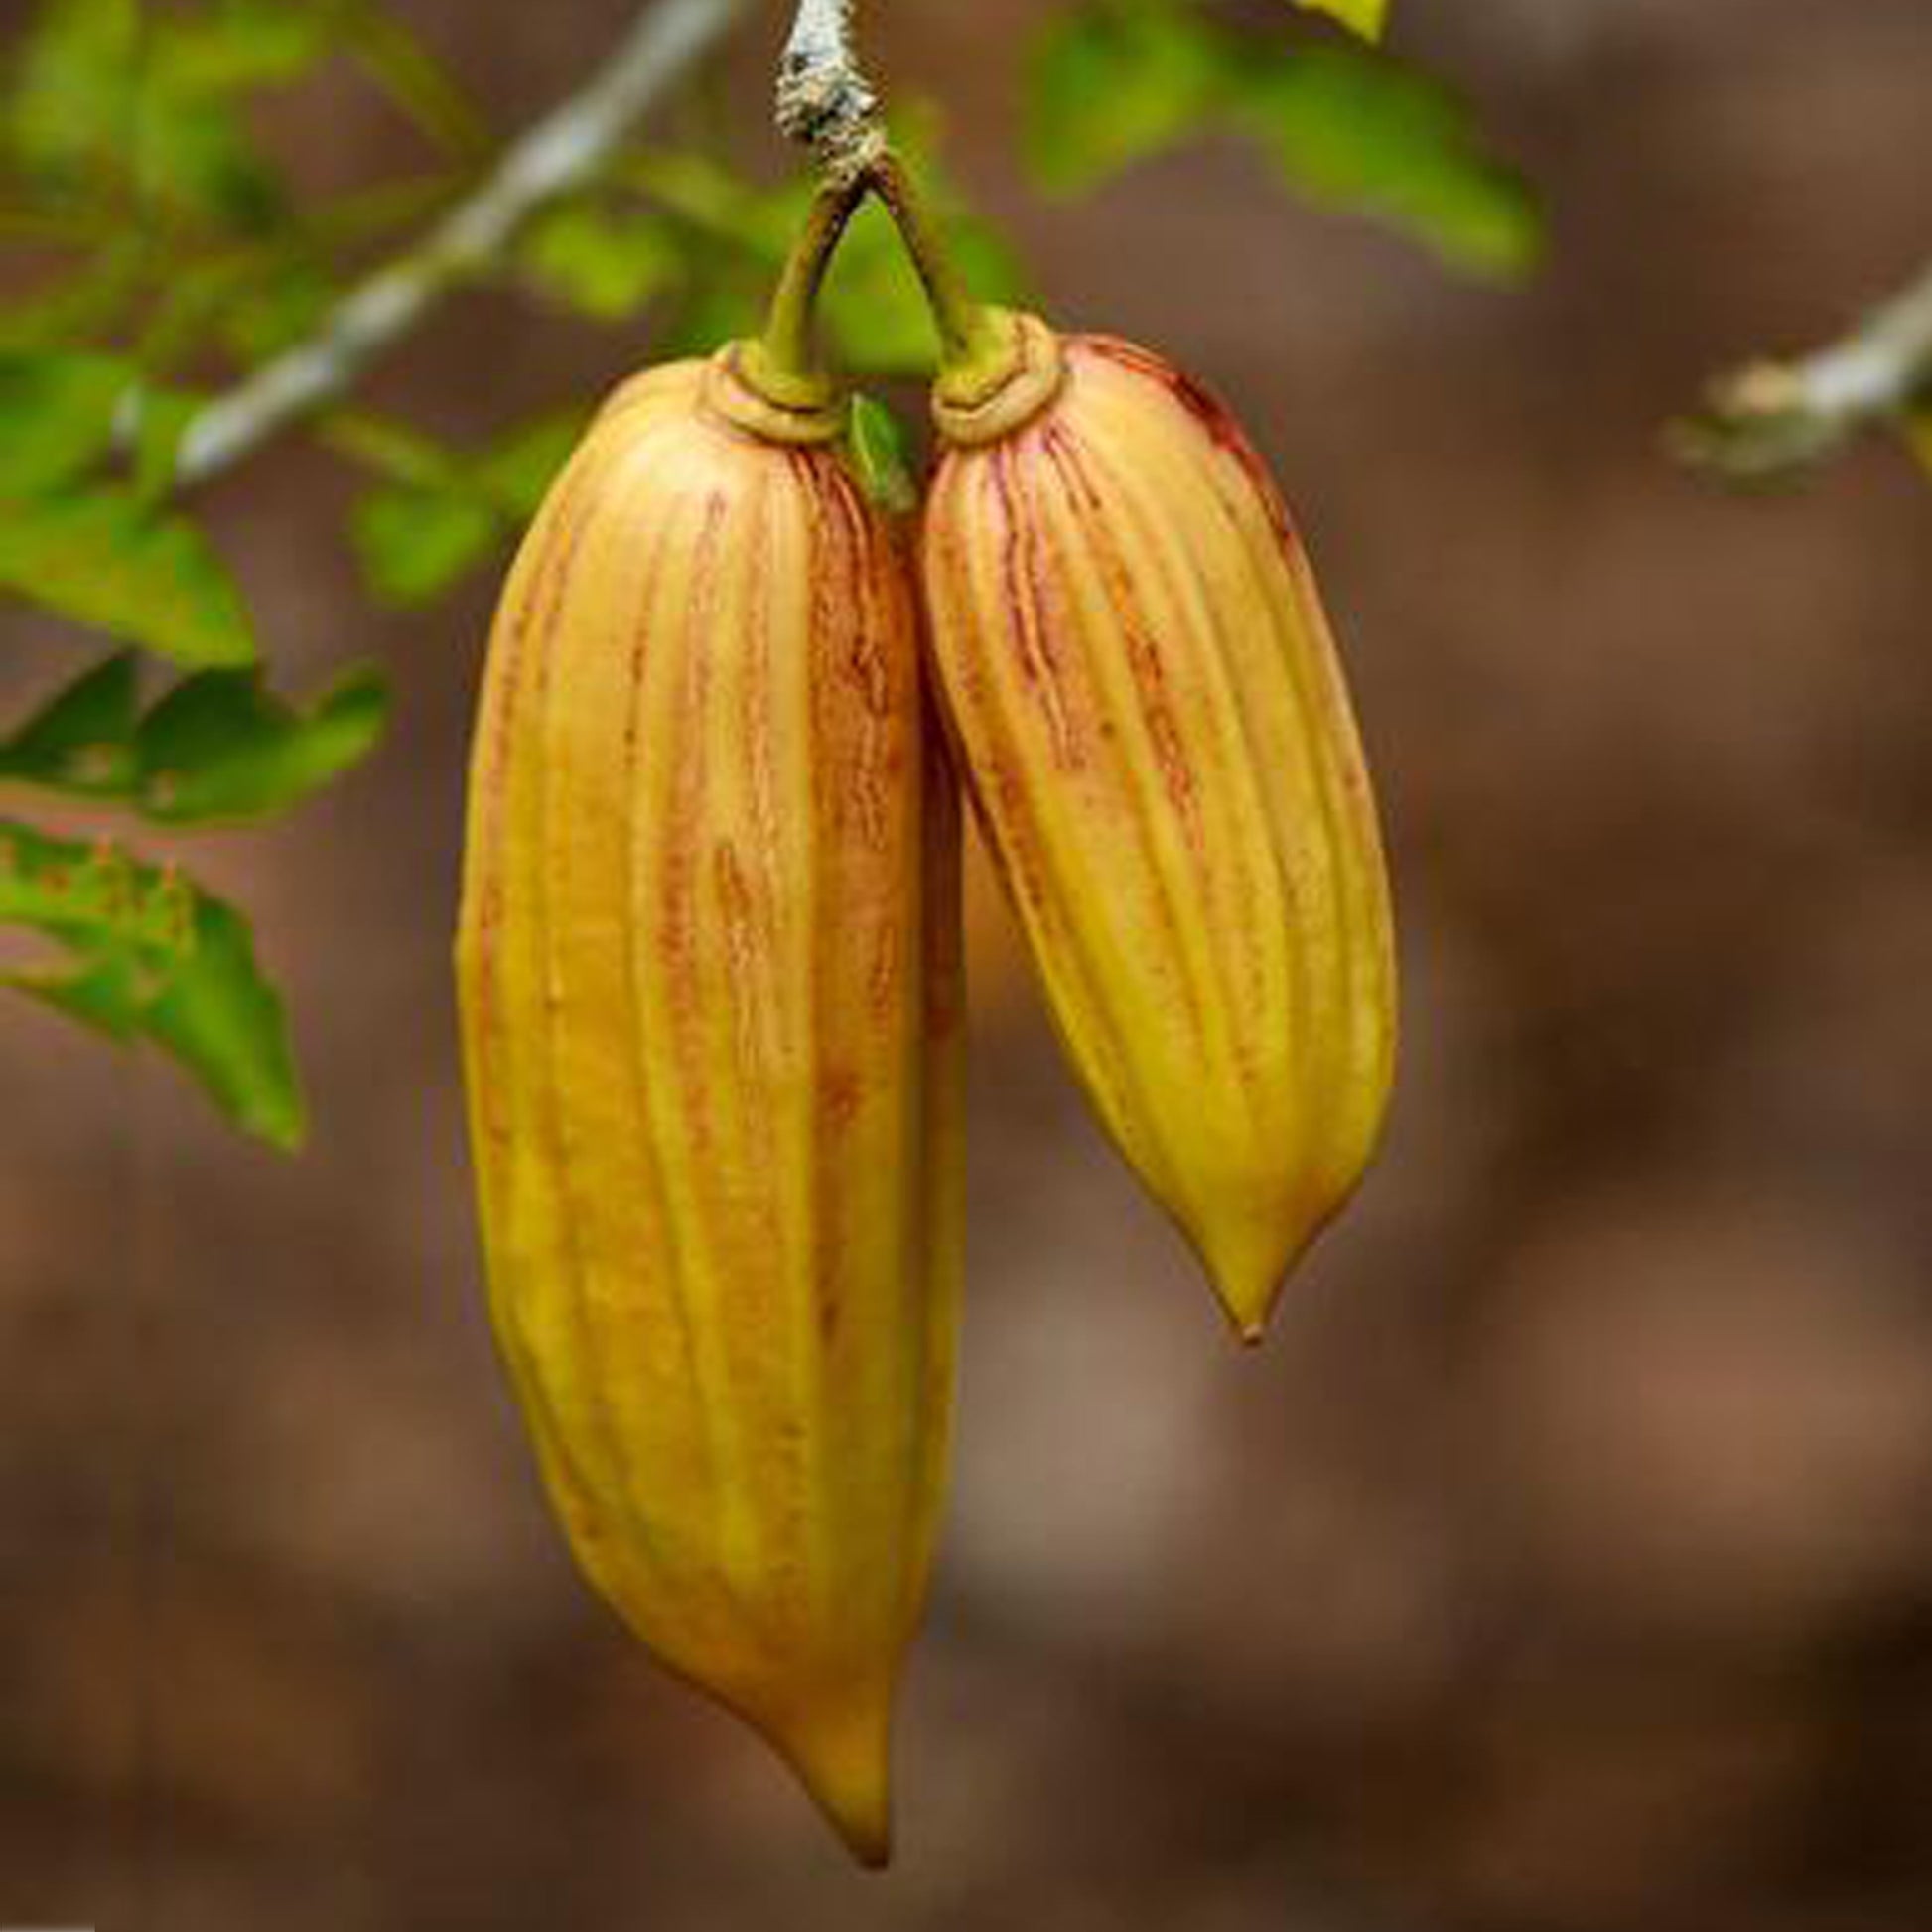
point(106, 558)
point(155, 250)
point(216, 746)
point(145, 956)
point(1114, 81)
point(1364, 16)
point(445, 512)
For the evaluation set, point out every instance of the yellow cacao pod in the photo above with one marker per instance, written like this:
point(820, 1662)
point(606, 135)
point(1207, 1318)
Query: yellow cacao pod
point(1159, 746)
point(708, 968)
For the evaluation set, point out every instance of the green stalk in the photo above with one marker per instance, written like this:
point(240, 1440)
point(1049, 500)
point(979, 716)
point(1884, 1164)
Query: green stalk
point(976, 352)
point(786, 359)
point(968, 341)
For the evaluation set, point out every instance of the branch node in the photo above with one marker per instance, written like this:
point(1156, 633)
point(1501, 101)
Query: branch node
point(825, 102)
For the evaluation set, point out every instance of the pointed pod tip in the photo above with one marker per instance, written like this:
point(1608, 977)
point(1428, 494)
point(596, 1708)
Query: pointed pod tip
point(1249, 1258)
point(1247, 1317)
point(1248, 1285)
point(841, 1752)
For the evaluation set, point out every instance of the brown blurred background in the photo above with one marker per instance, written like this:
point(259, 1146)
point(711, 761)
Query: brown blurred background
point(1565, 1560)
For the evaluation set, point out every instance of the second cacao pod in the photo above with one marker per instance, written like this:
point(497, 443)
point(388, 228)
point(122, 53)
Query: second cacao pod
point(1155, 732)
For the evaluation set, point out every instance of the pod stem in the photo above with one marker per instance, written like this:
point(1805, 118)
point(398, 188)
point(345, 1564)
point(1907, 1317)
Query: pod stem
point(966, 336)
point(826, 104)
point(974, 351)
point(789, 345)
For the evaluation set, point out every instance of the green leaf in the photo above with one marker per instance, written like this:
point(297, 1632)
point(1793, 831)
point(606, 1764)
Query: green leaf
point(239, 46)
point(413, 544)
point(1349, 128)
point(604, 264)
point(81, 741)
point(517, 470)
point(447, 510)
point(145, 104)
point(66, 411)
point(160, 420)
point(59, 408)
point(881, 454)
point(1364, 17)
point(106, 559)
point(218, 746)
point(1353, 129)
point(75, 80)
point(146, 957)
point(1111, 85)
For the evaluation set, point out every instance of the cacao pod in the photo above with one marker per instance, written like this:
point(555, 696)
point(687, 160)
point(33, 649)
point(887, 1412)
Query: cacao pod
point(1153, 730)
point(708, 968)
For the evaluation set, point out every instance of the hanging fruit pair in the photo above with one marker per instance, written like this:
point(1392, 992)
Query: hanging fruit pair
point(708, 959)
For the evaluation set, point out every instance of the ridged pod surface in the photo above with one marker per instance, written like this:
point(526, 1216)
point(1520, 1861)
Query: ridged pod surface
point(1154, 728)
point(708, 967)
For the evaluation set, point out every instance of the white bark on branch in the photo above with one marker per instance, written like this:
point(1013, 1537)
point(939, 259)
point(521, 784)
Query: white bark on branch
point(1776, 417)
point(558, 154)
point(824, 102)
